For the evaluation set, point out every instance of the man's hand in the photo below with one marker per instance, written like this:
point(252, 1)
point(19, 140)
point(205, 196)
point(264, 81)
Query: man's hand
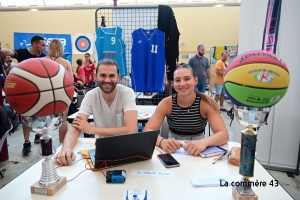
point(208, 82)
point(170, 145)
point(82, 124)
point(194, 147)
point(64, 157)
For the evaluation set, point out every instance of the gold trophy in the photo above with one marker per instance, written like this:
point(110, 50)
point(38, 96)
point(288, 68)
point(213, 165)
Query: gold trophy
point(50, 182)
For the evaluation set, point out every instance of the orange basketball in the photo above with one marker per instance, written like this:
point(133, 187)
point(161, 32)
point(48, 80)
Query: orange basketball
point(39, 87)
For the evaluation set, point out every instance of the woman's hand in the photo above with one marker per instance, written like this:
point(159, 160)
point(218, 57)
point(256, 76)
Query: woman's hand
point(195, 147)
point(170, 145)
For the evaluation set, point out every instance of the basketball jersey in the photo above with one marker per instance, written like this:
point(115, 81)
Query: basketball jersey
point(148, 60)
point(109, 44)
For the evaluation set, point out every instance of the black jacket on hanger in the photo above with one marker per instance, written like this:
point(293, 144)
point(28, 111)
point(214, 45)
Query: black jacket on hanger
point(167, 23)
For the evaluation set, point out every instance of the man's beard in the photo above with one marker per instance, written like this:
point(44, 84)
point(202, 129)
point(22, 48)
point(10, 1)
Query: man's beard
point(107, 91)
point(200, 54)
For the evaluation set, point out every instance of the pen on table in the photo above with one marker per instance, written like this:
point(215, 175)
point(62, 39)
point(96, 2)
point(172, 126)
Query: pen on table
point(220, 157)
point(225, 155)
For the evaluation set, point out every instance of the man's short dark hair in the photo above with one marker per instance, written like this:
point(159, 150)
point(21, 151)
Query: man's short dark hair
point(223, 53)
point(107, 62)
point(36, 39)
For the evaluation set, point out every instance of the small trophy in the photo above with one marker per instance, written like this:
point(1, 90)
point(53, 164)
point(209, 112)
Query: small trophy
point(252, 118)
point(50, 182)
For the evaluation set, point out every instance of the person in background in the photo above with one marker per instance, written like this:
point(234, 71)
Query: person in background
point(2, 74)
point(187, 113)
point(8, 64)
point(89, 69)
point(38, 46)
point(221, 65)
point(201, 67)
point(79, 80)
point(55, 52)
point(112, 106)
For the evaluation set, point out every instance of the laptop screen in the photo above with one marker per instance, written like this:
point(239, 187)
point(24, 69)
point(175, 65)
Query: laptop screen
point(123, 149)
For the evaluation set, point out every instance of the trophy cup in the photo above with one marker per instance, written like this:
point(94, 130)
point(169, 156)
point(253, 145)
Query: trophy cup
point(252, 118)
point(254, 81)
point(50, 182)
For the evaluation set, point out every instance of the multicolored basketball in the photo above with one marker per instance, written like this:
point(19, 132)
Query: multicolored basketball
point(256, 79)
point(39, 87)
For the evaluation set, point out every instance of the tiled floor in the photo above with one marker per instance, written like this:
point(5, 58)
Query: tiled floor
point(17, 163)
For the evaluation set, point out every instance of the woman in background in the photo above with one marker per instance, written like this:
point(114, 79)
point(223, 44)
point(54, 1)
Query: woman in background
point(79, 80)
point(89, 69)
point(187, 113)
point(55, 53)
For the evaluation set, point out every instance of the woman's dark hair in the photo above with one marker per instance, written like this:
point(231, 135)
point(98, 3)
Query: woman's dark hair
point(87, 54)
point(79, 64)
point(204, 97)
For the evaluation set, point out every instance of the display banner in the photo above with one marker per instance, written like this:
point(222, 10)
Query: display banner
point(271, 26)
point(22, 40)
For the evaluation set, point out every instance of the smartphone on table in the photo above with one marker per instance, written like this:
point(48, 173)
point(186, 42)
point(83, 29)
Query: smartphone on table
point(168, 160)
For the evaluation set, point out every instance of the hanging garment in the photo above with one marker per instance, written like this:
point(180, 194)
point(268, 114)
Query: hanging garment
point(148, 60)
point(109, 44)
point(166, 22)
point(218, 52)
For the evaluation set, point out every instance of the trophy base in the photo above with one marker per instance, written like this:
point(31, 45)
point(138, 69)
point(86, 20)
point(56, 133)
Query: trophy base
point(236, 195)
point(36, 188)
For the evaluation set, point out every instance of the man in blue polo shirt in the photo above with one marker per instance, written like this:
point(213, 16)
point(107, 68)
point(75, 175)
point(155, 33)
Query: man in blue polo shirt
point(38, 46)
point(201, 68)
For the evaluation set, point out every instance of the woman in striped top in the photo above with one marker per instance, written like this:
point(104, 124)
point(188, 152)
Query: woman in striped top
point(187, 113)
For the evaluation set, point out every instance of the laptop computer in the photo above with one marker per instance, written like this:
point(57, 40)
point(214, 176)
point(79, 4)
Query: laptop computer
point(123, 149)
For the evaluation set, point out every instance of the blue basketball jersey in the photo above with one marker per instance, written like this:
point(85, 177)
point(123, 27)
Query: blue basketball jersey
point(148, 60)
point(109, 44)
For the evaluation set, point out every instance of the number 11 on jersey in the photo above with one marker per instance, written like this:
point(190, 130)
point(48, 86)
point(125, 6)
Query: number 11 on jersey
point(154, 48)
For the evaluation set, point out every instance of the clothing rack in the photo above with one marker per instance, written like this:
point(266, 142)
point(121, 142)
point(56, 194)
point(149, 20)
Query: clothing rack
point(129, 19)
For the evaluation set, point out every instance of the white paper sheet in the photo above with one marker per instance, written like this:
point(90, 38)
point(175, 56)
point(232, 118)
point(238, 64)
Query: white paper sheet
point(213, 181)
point(135, 172)
point(180, 153)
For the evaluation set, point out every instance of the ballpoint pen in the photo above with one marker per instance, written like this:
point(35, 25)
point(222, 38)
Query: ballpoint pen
point(219, 157)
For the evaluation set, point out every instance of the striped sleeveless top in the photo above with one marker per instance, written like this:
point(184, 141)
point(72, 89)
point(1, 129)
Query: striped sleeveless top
point(186, 121)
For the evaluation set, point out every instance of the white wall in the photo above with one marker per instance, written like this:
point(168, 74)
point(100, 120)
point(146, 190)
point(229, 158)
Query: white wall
point(278, 142)
point(286, 134)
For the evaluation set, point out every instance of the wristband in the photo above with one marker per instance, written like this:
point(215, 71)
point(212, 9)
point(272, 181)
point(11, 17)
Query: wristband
point(160, 143)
